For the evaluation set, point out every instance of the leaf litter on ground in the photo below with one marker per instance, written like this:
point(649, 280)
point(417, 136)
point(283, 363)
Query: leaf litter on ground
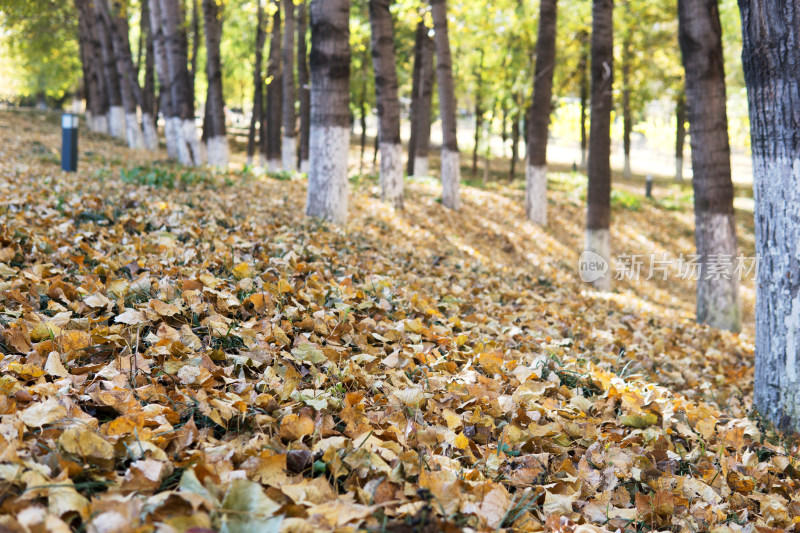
point(198, 356)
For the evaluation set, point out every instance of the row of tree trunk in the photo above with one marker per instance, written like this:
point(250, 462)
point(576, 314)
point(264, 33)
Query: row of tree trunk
point(119, 105)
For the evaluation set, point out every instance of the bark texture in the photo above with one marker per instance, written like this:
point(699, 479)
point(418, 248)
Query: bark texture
point(771, 58)
point(627, 116)
point(421, 102)
point(330, 110)
point(258, 83)
point(303, 84)
point(217, 142)
point(109, 62)
point(165, 97)
point(598, 212)
point(451, 167)
point(383, 60)
point(273, 109)
point(91, 57)
point(289, 152)
point(539, 122)
point(700, 37)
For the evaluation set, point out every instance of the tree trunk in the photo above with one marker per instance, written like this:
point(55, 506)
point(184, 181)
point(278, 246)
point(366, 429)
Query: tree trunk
point(258, 84)
point(771, 59)
point(700, 37)
point(195, 24)
point(627, 119)
point(116, 113)
point(451, 163)
point(598, 198)
point(514, 141)
point(171, 134)
point(539, 121)
point(303, 83)
point(273, 110)
point(289, 146)
point(478, 115)
point(584, 90)
point(330, 110)
point(216, 138)
point(362, 106)
point(148, 104)
point(415, 84)
point(680, 134)
point(92, 62)
point(117, 22)
point(422, 102)
point(383, 60)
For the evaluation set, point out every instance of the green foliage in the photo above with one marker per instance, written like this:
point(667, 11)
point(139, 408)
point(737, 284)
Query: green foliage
point(625, 200)
point(166, 177)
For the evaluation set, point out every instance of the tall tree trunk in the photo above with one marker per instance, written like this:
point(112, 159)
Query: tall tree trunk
point(515, 139)
point(451, 163)
point(680, 134)
point(258, 83)
point(539, 121)
point(182, 106)
point(584, 90)
point(273, 110)
point(289, 146)
point(478, 114)
point(171, 133)
point(422, 101)
point(330, 110)
point(627, 118)
point(700, 37)
point(116, 113)
point(303, 83)
point(771, 59)
point(195, 25)
point(415, 83)
point(362, 106)
point(92, 62)
point(383, 59)
point(129, 83)
point(148, 104)
point(598, 198)
point(216, 138)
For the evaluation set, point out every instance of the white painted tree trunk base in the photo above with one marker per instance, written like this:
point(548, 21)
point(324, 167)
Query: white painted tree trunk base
point(305, 166)
point(191, 139)
point(679, 169)
point(133, 132)
point(451, 179)
point(171, 138)
point(289, 155)
point(536, 193)
point(599, 242)
point(99, 124)
point(116, 121)
point(391, 178)
point(217, 151)
point(421, 168)
point(181, 146)
point(150, 132)
point(274, 165)
point(327, 176)
point(718, 286)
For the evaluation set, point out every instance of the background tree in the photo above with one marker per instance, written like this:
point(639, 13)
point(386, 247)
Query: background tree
point(536, 169)
point(598, 198)
point(451, 160)
point(273, 110)
point(216, 138)
point(700, 37)
point(329, 133)
point(771, 58)
point(303, 83)
point(256, 116)
point(289, 146)
point(383, 58)
point(421, 101)
point(116, 112)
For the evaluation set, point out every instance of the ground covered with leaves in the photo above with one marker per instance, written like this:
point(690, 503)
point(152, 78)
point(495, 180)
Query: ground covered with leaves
point(184, 351)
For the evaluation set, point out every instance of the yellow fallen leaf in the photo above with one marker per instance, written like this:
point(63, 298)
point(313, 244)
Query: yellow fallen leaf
point(42, 413)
